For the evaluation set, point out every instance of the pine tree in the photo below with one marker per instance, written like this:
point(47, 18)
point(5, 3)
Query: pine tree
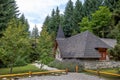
point(8, 10)
point(14, 45)
point(111, 4)
point(68, 19)
point(25, 22)
point(115, 32)
point(51, 25)
point(77, 15)
point(53, 21)
point(91, 6)
point(35, 33)
point(46, 22)
point(115, 21)
point(57, 19)
point(45, 46)
point(34, 55)
point(116, 14)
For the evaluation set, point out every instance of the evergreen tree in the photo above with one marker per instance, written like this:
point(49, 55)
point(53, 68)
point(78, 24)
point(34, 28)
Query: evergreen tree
point(115, 21)
point(46, 22)
point(77, 15)
point(57, 19)
point(45, 46)
point(53, 22)
point(35, 33)
point(8, 10)
point(115, 52)
point(14, 45)
point(62, 19)
point(68, 19)
point(111, 4)
point(99, 23)
point(25, 22)
point(91, 6)
point(116, 32)
point(34, 55)
point(116, 14)
point(51, 25)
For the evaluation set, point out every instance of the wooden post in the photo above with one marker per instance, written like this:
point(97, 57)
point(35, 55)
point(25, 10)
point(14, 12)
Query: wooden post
point(98, 72)
point(76, 68)
point(66, 70)
point(30, 73)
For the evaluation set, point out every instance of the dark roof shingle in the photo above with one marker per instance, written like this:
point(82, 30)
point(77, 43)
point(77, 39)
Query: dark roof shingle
point(81, 46)
point(60, 33)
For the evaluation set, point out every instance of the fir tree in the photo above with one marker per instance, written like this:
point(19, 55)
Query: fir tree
point(45, 46)
point(111, 4)
point(91, 6)
point(14, 45)
point(68, 19)
point(77, 15)
point(51, 24)
point(46, 22)
point(8, 10)
point(25, 22)
point(35, 33)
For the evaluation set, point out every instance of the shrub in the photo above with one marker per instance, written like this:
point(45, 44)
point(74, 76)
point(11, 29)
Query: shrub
point(70, 64)
point(20, 61)
point(118, 70)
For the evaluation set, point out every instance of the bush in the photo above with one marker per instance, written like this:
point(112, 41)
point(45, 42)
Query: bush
point(70, 64)
point(118, 70)
point(20, 61)
point(2, 65)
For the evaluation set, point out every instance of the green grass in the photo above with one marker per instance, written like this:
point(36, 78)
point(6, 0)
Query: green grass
point(106, 77)
point(109, 70)
point(22, 69)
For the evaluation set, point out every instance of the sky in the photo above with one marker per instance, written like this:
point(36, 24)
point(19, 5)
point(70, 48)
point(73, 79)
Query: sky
point(36, 11)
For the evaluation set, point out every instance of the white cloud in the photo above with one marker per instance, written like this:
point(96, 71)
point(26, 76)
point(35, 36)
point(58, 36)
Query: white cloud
point(36, 10)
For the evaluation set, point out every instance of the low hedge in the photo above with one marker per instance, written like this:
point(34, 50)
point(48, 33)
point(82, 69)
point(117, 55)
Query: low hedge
point(66, 64)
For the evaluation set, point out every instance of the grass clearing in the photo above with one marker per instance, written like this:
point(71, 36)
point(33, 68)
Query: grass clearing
point(109, 70)
point(106, 77)
point(21, 69)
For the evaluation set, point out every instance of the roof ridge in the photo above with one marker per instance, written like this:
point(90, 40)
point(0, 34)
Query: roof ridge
point(103, 42)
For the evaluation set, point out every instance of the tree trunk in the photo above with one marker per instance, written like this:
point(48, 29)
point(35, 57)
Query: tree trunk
point(11, 68)
point(41, 66)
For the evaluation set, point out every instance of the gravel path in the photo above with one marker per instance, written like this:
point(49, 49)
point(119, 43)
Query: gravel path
point(69, 76)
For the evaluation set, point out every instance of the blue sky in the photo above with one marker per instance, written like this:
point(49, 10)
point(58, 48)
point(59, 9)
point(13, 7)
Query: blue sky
point(37, 10)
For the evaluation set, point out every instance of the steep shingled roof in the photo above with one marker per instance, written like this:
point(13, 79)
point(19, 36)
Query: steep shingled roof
point(110, 42)
point(81, 46)
point(60, 33)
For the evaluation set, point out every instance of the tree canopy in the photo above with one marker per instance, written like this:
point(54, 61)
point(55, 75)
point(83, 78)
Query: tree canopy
point(8, 10)
point(14, 45)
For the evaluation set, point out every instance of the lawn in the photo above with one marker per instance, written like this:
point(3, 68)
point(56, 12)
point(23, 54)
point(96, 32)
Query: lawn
point(108, 70)
point(22, 69)
point(111, 70)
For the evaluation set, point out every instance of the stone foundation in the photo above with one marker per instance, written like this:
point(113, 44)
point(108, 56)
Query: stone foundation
point(94, 64)
point(101, 64)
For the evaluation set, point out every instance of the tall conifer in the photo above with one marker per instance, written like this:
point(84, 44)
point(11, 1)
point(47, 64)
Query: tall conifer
point(68, 19)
